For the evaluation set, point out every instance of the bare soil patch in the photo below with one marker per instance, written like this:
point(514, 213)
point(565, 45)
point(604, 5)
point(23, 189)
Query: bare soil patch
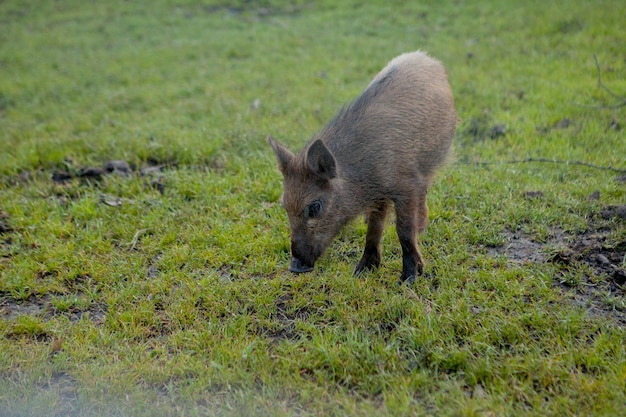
point(591, 266)
point(43, 307)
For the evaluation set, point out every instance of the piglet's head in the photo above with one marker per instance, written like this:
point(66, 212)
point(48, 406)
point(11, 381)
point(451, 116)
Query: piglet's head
point(310, 199)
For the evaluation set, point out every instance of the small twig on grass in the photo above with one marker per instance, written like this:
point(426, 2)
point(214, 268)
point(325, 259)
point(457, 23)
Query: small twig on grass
point(607, 89)
point(133, 243)
point(604, 87)
point(554, 161)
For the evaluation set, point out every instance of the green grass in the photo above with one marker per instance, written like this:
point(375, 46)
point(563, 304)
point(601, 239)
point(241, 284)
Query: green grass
point(117, 298)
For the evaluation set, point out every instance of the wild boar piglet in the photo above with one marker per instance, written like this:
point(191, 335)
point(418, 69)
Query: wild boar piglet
point(382, 149)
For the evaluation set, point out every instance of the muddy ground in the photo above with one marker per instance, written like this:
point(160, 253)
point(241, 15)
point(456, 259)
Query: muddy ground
point(601, 287)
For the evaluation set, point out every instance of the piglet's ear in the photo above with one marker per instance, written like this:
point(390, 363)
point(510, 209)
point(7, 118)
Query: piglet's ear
point(320, 161)
point(283, 154)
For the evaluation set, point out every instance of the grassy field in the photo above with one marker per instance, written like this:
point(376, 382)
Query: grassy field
point(161, 288)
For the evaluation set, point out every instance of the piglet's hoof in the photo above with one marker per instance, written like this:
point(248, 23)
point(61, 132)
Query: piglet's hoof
point(296, 266)
point(410, 280)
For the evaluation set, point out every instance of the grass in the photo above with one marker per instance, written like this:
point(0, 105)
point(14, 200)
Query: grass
point(168, 293)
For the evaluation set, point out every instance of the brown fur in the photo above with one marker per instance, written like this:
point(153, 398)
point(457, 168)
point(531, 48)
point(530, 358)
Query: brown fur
point(382, 149)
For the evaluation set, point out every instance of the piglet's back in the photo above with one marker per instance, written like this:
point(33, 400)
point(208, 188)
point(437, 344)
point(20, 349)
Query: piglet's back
point(400, 128)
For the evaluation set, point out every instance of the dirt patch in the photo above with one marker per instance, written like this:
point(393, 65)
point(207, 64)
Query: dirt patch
point(247, 11)
point(96, 313)
point(96, 173)
point(614, 211)
point(5, 235)
point(604, 258)
point(284, 320)
point(11, 308)
point(286, 316)
point(592, 266)
point(152, 270)
point(481, 128)
point(43, 307)
point(520, 248)
point(5, 228)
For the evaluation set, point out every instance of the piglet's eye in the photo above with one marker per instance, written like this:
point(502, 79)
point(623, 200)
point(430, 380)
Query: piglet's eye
point(313, 210)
